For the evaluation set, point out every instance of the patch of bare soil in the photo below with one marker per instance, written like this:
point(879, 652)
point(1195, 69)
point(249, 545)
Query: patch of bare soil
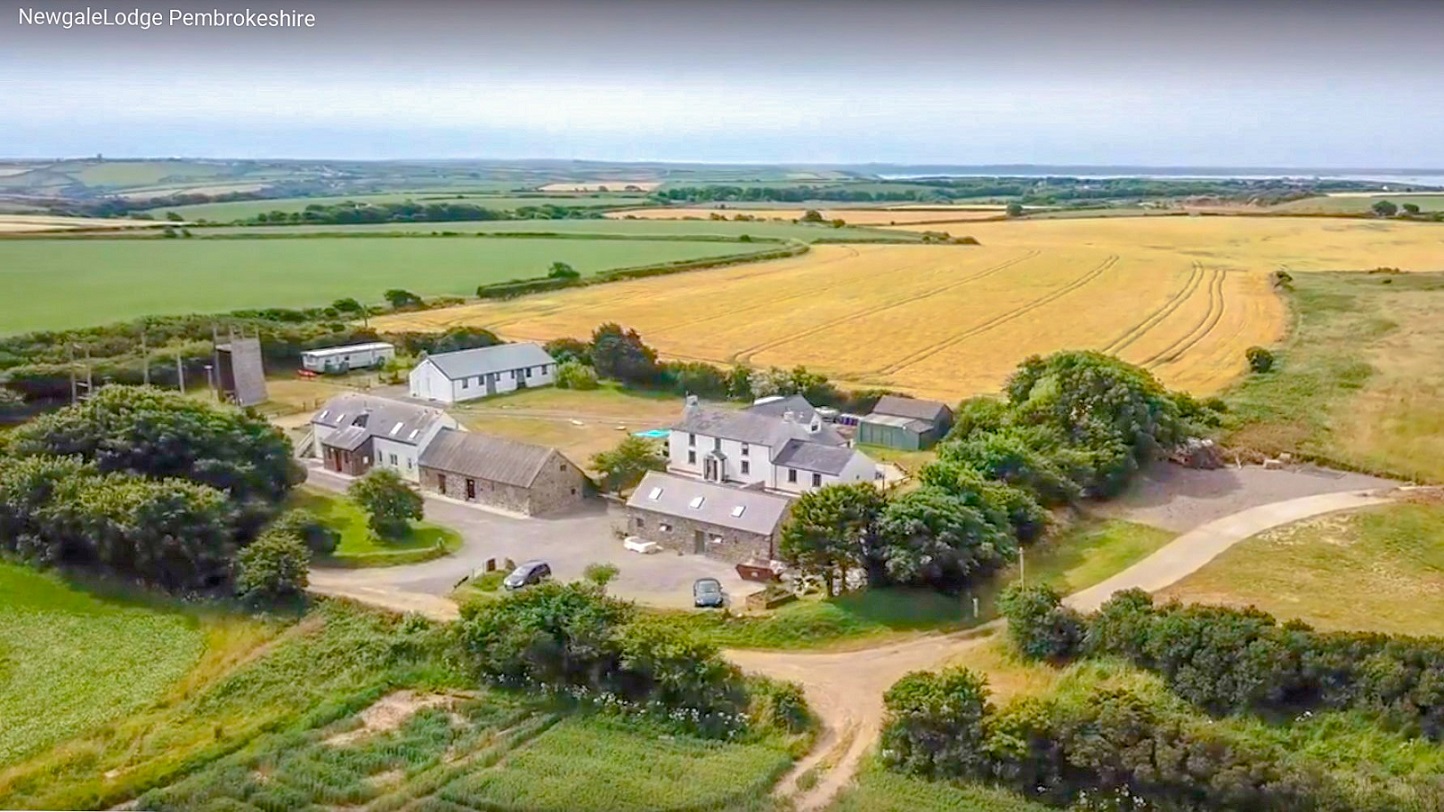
point(391, 712)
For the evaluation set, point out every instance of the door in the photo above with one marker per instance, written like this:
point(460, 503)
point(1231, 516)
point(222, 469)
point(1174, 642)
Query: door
point(699, 542)
point(441, 483)
point(470, 489)
point(491, 384)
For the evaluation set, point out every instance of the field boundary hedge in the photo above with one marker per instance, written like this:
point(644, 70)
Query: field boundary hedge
point(521, 287)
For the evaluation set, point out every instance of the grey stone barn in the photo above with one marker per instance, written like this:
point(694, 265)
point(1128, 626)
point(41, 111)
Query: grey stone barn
point(520, 477)
point(692, 516)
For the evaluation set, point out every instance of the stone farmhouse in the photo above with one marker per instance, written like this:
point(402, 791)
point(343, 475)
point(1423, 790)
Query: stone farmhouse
point(785, 453)
point(354, 433)
point(456, 377)
point(688, 516)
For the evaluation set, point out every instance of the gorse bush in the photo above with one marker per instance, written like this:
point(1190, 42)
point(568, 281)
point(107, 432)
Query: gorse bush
point(272, 569)
point(1038, 623)
point(574, 641)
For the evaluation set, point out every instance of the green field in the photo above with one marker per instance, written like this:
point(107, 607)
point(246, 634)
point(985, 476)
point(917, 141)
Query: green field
point(77, 283)
point(245, 209)
point(71, 661)
point(880, 790)
point(122, 174)
point(360, 547)
point(609, 227)
point(1358, 205)
point(1375, 570)
point(1360, 381)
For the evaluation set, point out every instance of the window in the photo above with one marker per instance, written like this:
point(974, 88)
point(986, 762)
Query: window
point(562, 467)
point(655, 494)
point(691, 439)
point(696, 503)
point(513, 374)
point(817, 480)
point(745, 449)
point(791, 474)
point(746, 469)
point(640, 522)
point(738, 511)
point(692, 457)
point(393, 460)
point(664, 527)
point(410, 463)
point(716, 443)
point(465, 383)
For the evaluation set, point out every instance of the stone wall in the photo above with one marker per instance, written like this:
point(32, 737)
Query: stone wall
point(559, 487)
point(736, 545)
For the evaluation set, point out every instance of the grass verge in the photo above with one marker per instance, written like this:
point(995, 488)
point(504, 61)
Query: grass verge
point(360, 547)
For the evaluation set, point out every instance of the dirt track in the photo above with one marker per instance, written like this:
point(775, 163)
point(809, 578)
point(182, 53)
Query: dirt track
point(845, 689)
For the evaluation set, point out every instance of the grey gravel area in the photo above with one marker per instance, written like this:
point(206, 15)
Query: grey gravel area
point(1180, 499)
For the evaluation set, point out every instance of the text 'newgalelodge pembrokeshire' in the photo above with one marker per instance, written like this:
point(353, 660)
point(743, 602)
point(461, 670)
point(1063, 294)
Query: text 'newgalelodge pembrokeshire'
point(172, 18)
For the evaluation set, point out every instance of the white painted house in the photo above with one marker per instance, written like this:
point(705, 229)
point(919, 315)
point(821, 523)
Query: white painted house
point(355, 433)
point(454, 377)
point(352, 356)
point(784, 453)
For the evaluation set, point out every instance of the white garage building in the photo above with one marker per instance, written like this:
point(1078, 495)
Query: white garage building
point(454, 377)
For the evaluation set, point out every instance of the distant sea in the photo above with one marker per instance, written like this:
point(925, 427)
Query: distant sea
point(1401, 177)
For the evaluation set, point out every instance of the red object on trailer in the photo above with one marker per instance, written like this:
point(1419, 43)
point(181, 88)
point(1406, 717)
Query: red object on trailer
point(305, 373)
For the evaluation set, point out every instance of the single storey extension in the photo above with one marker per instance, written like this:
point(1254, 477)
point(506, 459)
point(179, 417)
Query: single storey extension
point(692, 516)
point(520, 477)
point(455, 377)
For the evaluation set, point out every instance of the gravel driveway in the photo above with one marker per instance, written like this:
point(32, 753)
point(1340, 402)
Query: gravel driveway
point(1182, 499)
point(569, 543)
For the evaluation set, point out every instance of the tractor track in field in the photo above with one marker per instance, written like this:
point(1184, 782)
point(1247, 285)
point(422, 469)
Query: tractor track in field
point(1159, 315)
point(1200, 330)
point(746, 354)
point(1002, 318)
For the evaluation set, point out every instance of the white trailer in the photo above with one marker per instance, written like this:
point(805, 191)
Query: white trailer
point(342, 359)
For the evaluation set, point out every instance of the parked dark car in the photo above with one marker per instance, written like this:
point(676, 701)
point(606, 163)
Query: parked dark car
point(532, 572)
point(707, 593)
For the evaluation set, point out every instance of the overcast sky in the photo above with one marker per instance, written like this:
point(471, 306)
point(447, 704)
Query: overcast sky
point(1206, 83)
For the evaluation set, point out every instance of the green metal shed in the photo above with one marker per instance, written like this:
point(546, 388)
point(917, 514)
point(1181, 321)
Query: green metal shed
point(889, 431)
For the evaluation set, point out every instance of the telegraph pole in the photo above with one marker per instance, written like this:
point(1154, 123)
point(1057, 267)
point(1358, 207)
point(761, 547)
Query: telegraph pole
point(180, 373)
point(144, 359)
point(74, 394)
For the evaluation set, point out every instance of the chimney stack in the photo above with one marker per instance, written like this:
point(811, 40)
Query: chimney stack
point(691, 400)
point(789, 416)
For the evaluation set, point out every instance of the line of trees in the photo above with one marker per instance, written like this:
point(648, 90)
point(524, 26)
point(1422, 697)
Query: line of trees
point(409, 211)
point(1073, 425)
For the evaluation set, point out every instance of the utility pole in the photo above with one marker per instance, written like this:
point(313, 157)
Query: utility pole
point(89, 375)
point(144, 359)
point(74, 394)
point(180, 373)
point(1022, 568)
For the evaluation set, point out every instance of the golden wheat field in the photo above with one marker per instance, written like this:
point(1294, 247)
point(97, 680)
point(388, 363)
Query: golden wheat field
point(1182, 296)
point(856, 217)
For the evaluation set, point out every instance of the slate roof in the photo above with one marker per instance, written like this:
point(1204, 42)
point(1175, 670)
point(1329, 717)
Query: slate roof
point(824, 459)
point(483, 457)
point(929, 410)
point(747, 510)
point(752, 427)
point(375, 417)
point(486, 360)
point(793, 403)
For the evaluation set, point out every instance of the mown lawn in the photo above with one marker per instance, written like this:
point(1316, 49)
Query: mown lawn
point(1380, 569)
point(78, 659)
point(360, 547)
point(1080, 556)
point(83, 282)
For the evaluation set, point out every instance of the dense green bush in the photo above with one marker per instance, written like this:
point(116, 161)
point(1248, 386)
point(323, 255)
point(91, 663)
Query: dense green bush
point(160, 434)
point(1228, 660)
point(272, 569)
point(319, 538)
point(935, 724)
point(576, 375)
point(389, 502)
point(1038, 623)
point(1259, 359)
point(573, 640)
